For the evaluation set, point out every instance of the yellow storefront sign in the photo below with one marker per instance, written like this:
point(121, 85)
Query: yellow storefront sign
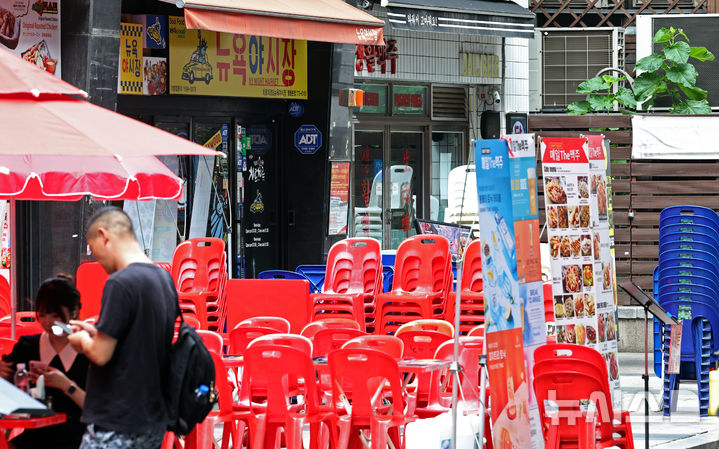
point(234, 65)
point(130, 79)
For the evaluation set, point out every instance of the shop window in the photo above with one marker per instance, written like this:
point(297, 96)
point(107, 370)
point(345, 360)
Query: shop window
point(446, 155)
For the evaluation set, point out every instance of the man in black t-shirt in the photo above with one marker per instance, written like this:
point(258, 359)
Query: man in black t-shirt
point(128, 347)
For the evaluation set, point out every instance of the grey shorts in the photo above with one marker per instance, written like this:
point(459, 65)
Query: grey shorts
point(110, 439)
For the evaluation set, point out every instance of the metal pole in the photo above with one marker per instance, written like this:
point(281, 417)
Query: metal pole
point(646, 379)
point(13, 269)
point(455, 363)
point(482, 389)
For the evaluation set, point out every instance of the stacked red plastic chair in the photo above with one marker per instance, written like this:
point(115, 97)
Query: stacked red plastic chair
point(199, 269)
point(422, 279)
point(90, 279)
point(471, 307)
point(357, 407)
point(352, 282)
point(567, 375)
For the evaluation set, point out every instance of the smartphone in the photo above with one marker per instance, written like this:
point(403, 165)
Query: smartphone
point(59, 328)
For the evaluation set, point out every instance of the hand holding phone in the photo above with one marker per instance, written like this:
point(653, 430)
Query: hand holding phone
point(59, 328)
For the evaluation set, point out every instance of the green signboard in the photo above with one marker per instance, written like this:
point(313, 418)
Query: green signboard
point(375, 99)
point(409, 100)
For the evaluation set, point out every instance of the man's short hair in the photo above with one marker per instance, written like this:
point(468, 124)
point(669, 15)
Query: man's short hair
point(112, 218)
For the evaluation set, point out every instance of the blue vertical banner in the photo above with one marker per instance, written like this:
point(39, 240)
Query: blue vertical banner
point(514, 312)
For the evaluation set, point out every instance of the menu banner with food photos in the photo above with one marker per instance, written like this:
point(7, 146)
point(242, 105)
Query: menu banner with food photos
point(509, 230)
point(206, 62)
point(31, 30)
point(578, 232)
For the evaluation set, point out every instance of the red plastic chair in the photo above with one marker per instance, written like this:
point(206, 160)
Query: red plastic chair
point(167, 266)
point(471, 309)
point(191, 320)
point(6, 345)
point(311, 329)
point(240, 337)
point(476, 331)
point(326, 340)
point(432, 325)
point(289, 340)
point(389, 344)
point(273, 322)
point(353, 279)
point(267, 369)
point(21, 330)
point(212, 341)
point(574, 373)
point(422, 279)
point(359, 404)
point(200, 272)
point(90, 279)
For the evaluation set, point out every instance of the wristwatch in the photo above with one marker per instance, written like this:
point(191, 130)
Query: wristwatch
point(71, 389)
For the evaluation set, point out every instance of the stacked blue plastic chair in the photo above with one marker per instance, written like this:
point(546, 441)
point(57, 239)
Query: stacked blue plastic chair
point(686, 284)
point(315, 274)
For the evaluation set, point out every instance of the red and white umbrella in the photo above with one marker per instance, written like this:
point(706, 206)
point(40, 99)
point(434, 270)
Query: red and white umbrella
point(56, 147)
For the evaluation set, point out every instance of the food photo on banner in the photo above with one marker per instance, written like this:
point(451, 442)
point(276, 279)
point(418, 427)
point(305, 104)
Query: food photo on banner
point(31, 30)
point(581, 261)
point(509, 228)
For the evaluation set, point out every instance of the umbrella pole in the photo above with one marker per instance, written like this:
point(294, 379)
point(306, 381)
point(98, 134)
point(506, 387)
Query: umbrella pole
point(13, 269)
point(455, 364)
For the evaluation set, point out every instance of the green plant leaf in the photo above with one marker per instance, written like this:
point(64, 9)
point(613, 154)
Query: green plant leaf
point(683, 74)
point(694, 93)
point(650, 63)
point(648, 84)
point(579, 108)
point(592, 85)
point(609, 79)
point(600, 102)
point(700, 53)
point(691, 107)
point(681, 32)
point(626, 97)
point(677, 52)
point(663, 35)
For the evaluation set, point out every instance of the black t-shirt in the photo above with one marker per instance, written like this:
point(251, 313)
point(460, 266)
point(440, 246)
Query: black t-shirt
point(138, 310)
point(63, 435)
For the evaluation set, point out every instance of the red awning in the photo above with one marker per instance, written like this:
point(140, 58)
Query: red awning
point(312, 20)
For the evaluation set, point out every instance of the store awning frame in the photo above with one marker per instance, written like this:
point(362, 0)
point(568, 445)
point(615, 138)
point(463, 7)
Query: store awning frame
point(480, 17)
point(312, 20)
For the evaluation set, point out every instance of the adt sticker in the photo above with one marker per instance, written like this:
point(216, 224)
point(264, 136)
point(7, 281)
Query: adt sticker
point(295, 109)
point(261, 139)
point(308, 139)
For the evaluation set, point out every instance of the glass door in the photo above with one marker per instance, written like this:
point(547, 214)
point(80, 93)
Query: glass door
point(404, 189)
point(386, 211)
point(367, 185)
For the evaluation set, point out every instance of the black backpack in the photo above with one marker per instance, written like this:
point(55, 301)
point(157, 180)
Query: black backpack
point(190, 386)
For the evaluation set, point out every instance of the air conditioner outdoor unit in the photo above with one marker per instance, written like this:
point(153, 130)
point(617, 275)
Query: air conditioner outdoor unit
point(569, 56)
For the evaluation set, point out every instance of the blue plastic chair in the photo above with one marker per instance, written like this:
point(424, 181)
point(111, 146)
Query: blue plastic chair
point(688, 280)
point(689, 229)
point(706, 251)
point(279, 274)
point(686, 214)
point(388, 273)
point(698, 351)
point(684, 289)
point(684, 254)
point(315, 274)
point(687, 263)
point(675, 275)
point(686, 237)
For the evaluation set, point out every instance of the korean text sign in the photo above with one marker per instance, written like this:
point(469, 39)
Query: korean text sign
point(130, 79)
point(210, 63)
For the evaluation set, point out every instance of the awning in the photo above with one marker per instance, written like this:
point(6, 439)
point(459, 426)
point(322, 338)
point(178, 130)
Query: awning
point(494, 18)
point(312, 20)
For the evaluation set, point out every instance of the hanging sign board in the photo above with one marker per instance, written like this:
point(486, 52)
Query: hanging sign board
point(206, 62)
